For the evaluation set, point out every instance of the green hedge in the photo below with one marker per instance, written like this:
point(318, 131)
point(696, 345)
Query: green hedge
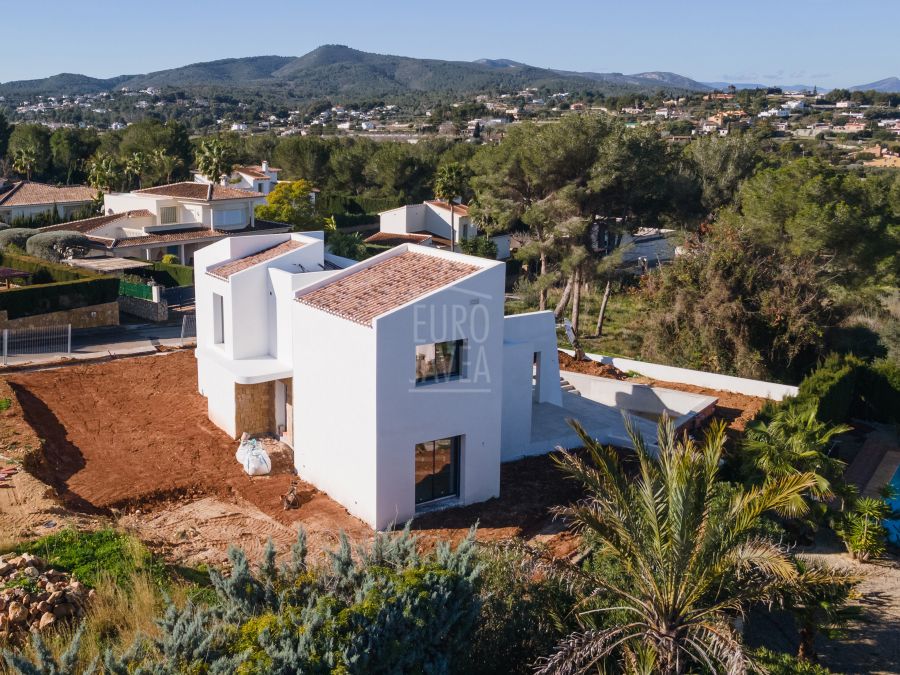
point(337, 204)
point(43, 271)
point(172, 275)
point(846, 387)
point(354, 219)
point(59, 296)
point(833, 386)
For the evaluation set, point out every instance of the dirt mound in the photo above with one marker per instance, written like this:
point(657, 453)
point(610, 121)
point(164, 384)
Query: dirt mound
point(589, 367)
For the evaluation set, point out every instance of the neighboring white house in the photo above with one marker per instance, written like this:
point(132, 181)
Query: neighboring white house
point(176, 219)
point(397, 381)
point(429, 224)
point(260, 178)
point(27, 199)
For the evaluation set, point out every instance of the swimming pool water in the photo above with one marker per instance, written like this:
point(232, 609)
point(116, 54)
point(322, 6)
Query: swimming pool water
point(893, 526)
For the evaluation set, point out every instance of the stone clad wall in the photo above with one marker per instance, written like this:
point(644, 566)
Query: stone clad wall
point(92, 316)
point(254, 408)
point(144, 309)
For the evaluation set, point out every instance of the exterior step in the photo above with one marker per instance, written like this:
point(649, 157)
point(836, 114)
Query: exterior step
point(565, 385)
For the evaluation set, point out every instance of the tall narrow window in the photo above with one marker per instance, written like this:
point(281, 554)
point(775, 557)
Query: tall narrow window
point(437, 469)
point(439, 361)
point(168, 215)
point(218, 319)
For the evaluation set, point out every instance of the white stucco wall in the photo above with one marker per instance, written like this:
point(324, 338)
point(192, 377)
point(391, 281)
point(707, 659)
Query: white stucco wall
point(469, 407)
point(334, 408)
point(402, 220)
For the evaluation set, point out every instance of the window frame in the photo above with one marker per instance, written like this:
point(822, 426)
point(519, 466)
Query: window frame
point(455, 463)
point(435, 377)
point(166, 209)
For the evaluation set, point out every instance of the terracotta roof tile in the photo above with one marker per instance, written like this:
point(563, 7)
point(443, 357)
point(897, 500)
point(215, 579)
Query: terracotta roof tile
point(202, 191)
point(225, 270)
point(395, 238)
point(26, 192)
point(91, 224)
point(372, 291)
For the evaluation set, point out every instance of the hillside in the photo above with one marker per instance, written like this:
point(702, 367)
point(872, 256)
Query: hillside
point(337, 70)
point(887, 85)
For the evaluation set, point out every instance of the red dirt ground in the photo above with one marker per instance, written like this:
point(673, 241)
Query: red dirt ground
point(130, 438)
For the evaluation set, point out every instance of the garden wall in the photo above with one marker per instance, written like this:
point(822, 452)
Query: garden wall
point(90, 316)
point(144, 309)
point(738, 385)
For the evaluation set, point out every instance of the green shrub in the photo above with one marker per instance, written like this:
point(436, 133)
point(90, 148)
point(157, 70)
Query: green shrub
point(59, 296)
point(878, 392)
point(169, 274)
point(43, 271)
point(832, 387)
point(15, 236)
point(170, 259)
point(57, 245)
point(483, 247)
point(776, 663)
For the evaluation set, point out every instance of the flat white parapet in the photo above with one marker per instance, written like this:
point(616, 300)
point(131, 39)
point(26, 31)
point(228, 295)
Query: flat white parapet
point(737, 385)
point(248, 371)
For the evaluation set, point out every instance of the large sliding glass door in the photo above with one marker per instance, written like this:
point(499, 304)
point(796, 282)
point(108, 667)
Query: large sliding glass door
point(437, 469)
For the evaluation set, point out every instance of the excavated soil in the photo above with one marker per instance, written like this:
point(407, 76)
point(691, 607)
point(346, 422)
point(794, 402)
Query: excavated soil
point(130, 440)
point(132, 437)
point(589, 367)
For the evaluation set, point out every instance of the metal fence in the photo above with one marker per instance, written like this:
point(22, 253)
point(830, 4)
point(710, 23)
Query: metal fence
point(41, 340)
point(179, 295)
point(135, 290)
point(188, 328)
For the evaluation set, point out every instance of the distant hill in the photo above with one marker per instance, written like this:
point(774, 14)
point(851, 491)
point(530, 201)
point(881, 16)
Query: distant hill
point(755, 85)
point(888, 85)
point(339, 71)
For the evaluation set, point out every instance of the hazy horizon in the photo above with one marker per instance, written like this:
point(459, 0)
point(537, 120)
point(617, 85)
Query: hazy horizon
point(811, 42)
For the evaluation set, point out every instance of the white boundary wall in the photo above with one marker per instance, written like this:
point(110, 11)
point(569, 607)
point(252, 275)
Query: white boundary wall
point(738, 385)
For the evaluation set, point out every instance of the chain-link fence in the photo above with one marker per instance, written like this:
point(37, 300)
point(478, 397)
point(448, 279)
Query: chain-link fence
point(24, 342)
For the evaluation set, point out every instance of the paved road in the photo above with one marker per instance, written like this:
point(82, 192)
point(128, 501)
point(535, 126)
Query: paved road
point(97, 343)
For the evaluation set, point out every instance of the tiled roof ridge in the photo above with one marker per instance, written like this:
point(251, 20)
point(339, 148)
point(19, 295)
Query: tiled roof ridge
point(227, 269)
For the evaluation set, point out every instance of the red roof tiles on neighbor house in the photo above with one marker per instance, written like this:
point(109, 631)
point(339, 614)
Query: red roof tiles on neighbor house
point(395, 238)
point(202, 191)
point(390, 283)
point(26, 193)
point(255, 170)
point(92, 224)
point(225, 270)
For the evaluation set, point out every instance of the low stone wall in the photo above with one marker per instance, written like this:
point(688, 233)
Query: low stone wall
point(92, 316)
point(254, 406)
point(144, 309)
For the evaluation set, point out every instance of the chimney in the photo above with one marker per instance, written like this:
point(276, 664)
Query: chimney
point(265, 166)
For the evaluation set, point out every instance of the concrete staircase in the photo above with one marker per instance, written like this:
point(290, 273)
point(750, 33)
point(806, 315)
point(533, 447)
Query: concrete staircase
point(567, 386)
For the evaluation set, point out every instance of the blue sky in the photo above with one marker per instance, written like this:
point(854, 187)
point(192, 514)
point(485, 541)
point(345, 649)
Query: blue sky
point(824, 42)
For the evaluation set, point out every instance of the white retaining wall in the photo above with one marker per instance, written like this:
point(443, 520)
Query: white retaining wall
point(738, 385)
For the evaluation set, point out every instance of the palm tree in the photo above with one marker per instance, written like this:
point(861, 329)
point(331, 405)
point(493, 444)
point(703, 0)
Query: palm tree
point(795, 441)
point(449, 184)
point(212, 159)
point(136, 166)
point(822, 605)
point(24, 161)
point(690, 552)
point(164, 164)
point(102, 169)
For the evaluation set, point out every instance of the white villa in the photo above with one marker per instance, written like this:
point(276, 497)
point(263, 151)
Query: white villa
point(28, 199)
point(260, 178)
point(173, 219)
point(397, 381)
point(429, 224)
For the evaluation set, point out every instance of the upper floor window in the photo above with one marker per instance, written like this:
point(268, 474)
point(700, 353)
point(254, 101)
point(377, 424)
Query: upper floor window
point(168, 215)
point(439, 361)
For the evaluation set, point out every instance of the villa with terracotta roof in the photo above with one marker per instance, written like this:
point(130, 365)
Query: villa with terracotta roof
point(28, 199)
point(431, 224)
point(173, 219)
point(397, 380)
point(260, 178)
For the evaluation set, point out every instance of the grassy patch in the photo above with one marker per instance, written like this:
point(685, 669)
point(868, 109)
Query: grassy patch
point(92, 555)
point(5, 404)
